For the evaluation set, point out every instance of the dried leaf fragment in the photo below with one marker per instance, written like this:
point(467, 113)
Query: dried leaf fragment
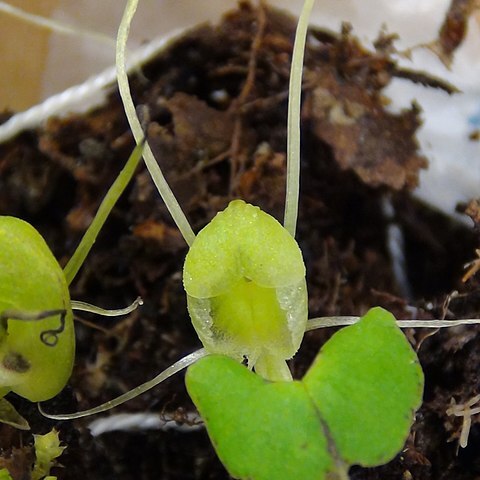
point(198, 132)
point(380, 147)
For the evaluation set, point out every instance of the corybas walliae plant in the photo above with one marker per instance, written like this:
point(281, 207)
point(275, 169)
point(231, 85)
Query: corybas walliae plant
point(37, 338)
point(244, 278)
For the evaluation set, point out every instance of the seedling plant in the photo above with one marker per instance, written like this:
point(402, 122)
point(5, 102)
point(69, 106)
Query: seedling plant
point(47, 449)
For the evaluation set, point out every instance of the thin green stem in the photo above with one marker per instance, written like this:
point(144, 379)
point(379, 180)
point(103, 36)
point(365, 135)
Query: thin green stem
point(167, 195)
point(293, 122)
point(113, 194)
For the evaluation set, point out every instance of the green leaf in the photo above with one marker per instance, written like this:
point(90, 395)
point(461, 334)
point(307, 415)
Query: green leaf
point(31, 280)
point(247, 296)
point(354, 406)
point(10, 416)
point(47, 449)
point(367, 384)
point(260, 430)
point(5, 474)
point(233, 247)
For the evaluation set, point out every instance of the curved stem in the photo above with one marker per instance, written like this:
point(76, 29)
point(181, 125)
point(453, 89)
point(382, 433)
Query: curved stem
point(135, 392)
point(109, 201)
point(156, 173)
point(293, 122)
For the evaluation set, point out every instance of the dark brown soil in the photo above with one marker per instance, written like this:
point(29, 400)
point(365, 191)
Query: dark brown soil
point(215, 107)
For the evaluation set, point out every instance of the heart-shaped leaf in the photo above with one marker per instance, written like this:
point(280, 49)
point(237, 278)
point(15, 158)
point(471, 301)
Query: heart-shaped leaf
point(367, 383)
point(354, 406)
point(260, 430)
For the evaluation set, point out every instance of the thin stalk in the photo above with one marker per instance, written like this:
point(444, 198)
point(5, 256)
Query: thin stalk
point(88, 307)
point(324, 322)
point(113, 194)
point(156, 173)
point(293, 121)
point(135, 392)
